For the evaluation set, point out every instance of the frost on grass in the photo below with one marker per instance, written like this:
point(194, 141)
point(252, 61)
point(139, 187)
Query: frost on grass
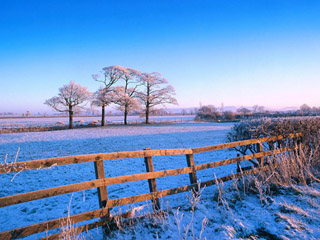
point(284, 216)
point(263, 206)
point(234, 210)
point(8, 167)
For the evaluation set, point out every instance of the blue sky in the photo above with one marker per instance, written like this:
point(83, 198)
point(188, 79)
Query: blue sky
point(235, 52)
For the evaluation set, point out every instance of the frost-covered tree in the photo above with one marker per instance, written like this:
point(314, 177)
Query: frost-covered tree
point(110, 76)
point(125, 95)
point(102, 98)
point(156, 92)
point(70, 97)
point(125, 101)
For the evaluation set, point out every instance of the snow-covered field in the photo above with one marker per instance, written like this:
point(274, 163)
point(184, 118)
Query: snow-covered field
point(285, 215)
point(37, 145)
point(63, 121)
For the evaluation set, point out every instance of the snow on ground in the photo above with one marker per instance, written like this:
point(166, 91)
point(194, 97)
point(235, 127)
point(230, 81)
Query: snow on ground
point(287, 214)
point(63, 121)
point(37, 145)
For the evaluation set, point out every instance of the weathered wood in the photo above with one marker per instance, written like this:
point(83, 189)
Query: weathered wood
point(193, 174)
point(238, 163)
point(100, 174)
point(102, 191)
point(49, 162)
point(260, 149)
point(152, 182)
point(145, 176)
point(148, 196)
point(239, 159)
point(50, 192)
point(242, 143)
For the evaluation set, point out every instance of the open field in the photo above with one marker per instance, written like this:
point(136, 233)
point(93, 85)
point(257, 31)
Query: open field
point(27, 122)
point(220, 212)
point(36, 145)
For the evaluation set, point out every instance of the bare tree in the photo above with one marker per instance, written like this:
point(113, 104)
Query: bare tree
point(244, 111)
point(305, 109)
point(102, 98)
point(111, 75)
point(261, 109)
point(125, 95)
point(70, 96)
point(255, 109)
point(156, 92)
point(316, 110)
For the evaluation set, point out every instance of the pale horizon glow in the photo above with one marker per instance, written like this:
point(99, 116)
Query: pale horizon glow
point(212, 52)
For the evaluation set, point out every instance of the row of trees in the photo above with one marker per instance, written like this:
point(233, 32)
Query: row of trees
point(211, 113)
point(128, 89)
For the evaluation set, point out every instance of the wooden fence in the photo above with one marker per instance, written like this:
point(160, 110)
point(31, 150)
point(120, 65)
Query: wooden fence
point(101, 183)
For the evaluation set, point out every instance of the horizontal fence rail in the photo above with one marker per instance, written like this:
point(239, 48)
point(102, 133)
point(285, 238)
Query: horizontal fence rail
point(102, 182)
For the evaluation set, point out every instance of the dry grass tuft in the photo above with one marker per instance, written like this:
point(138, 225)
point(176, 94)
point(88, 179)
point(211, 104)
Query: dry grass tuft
point(69, 230)
point(288, 170)
point(194, 199)
point(8, 167)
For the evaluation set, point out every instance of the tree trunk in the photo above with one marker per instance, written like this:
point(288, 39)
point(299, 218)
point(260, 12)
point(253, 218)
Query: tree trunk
point(125, 117)
point(70, 118)
point(103, 115)
point(148, 103)
point(147, 114)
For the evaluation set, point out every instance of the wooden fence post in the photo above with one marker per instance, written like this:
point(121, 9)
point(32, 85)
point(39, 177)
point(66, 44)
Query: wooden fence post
point(299, 144)
point(193, 174)
point(260, 149)
point(152, 182)
point(102, 191)
point(238, 164)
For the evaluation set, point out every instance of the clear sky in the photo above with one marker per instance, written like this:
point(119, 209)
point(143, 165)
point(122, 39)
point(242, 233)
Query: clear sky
point(236, 52)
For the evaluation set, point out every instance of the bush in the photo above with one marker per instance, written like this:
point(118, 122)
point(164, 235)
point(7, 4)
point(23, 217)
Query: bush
point(308, 126)
point(229, 115)
point(207, 113)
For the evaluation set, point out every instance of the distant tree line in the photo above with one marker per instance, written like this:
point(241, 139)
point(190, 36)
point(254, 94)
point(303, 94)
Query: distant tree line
point(211, 113)
point(126, 88)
